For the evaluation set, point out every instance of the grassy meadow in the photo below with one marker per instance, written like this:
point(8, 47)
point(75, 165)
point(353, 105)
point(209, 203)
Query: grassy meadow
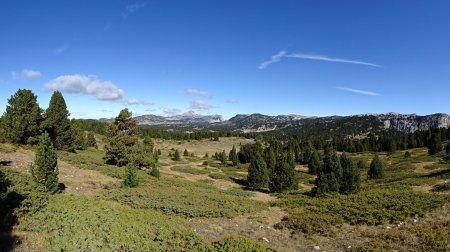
point(199, 204)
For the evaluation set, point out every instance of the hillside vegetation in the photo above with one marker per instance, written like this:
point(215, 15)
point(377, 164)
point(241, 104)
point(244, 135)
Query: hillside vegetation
point(115, 189)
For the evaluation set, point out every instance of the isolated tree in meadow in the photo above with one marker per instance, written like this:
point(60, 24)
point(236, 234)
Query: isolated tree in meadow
point(57, 124)
point(154, 172)
point(22, 118)
point(223, 157)
point(351, 178)
point(185, 153)
point(258, 174)
point(283, 177)
point(176, 156)
point(376, 170)
point(233, 156)
point(330, 175)
point(90, 140)
point(407, 154)
point(45, 167)
point(315, 163)
point(121, 139)
point(435, 144)
point(131, 177)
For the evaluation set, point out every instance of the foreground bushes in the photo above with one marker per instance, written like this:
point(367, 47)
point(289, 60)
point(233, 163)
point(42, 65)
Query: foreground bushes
point(185, 198)
point(371, 207)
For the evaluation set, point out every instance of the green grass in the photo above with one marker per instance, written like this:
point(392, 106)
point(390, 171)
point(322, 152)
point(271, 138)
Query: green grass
point(443, 187)
point(186, 198)
point(218, 175)
point(7, 148)
point(72, 223)
point(371, 207)
point(190, 170)
point(433, 236)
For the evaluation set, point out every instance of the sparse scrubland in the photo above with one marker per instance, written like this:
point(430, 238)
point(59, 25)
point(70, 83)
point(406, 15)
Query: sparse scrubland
point(221, 194)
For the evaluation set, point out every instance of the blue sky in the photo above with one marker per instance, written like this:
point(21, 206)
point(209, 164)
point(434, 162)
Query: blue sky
point(228, 57)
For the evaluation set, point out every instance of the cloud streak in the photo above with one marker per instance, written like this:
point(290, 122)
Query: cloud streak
point(61, 49)
point(90, 85)
point(273, 59)
point(196, 92)
point(359, 91)
point(200, 105)
point(282, 54)
point(232, 101)
point(132, 8)
point(27, 73)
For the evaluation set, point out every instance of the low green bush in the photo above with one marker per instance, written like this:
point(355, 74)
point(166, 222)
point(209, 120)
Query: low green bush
point(217, 175)
point(370, 206)
point(422, 237)
point(181, 197)
point(190, 170)
point(240, 243)
point(74, 223)
point(443, 187)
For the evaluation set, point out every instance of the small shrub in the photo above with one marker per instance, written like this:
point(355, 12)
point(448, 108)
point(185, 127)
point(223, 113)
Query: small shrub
point(218, 176)
point(155, 172)
point(444, 187)
point(131, 178)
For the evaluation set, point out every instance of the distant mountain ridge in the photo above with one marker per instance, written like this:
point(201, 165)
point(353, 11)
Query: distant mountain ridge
point(189, 117)
point(406, 123)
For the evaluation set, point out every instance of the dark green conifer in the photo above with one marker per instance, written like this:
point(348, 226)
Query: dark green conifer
point(376, 170)
point(351, 179)
point(233, 156)
point(45, 167)
point(57, 123)
point(22, 118)
point(131, 177)
point(258, 175)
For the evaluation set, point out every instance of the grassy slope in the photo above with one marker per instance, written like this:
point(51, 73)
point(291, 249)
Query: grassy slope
point(150, 214)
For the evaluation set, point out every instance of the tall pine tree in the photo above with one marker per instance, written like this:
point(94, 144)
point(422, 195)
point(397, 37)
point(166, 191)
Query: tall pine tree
point(351, 179)
point(233, 156)
point(121, 139)
point(57, 123)
point(258, 175)
point(376, 170)
point(330, 175)
point(22, 118)
point(283, 176)
point(315, 163)
point(45, 167)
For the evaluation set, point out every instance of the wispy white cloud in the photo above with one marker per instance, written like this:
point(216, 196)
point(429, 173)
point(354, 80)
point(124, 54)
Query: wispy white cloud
point(232, 101)
point(282, 54)
point(196, 92)
point(329, 59)
point(91, 85)
point(132, 8)
point(200, 105)
point(171, 111)
point(61, 49)
point(274, 59)
point(31, 74)
point(27, 73)
point(358, 91)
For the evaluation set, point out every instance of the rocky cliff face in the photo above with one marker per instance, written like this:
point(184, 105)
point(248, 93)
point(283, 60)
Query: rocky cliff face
point(186, 118)
point(412, 123)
